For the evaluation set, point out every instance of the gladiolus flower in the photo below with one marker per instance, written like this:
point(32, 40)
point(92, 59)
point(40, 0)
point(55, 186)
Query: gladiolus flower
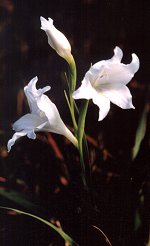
point(44, 116)
point(56, 39)
point(106, 81)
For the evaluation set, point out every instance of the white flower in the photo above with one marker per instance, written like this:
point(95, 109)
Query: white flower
point(44, 116)
point(56, 39)
point(106, 81)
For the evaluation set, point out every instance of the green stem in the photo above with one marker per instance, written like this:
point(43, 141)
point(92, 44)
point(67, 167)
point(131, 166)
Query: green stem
point(81, 126)
point(72, 75)
point(78, 129)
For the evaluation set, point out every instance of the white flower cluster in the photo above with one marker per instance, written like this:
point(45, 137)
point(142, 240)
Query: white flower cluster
point(104, 82)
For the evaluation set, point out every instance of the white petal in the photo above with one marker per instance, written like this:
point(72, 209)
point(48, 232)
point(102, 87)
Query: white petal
point(49, 109)
point(43, 127)
point(16, 136)
point(118, 54)
point(27, 125)
point(56, 125)
point(45, 25)
point(32, 93)
point(31, 134)
point(84, 91)
point(134, 65)
point(97, 71)
point(103, 103)
point(31, 87)
point(119, 95)
point(112, 71)
point(28, 122)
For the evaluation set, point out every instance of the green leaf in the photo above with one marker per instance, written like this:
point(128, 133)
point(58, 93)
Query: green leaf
point(140, 133)
point(137, 220)
point(58, 230)
point(18, 198)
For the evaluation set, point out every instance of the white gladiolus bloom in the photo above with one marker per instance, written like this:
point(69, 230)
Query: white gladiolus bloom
point(56, 39)
point(44, 116)
point(106, 81)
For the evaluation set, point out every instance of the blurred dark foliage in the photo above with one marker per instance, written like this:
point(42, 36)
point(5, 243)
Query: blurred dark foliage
point(47, 171)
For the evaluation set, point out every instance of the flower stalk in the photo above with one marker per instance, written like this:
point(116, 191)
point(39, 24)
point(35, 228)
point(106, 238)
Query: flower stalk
point(78, 128)
point(72, 76)
point(80, 137)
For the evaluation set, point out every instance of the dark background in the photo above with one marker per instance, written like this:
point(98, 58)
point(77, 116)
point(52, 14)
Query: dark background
point(121, 187)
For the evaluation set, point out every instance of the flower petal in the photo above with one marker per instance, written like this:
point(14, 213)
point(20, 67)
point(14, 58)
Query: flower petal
point(45, 25)
point(134, 65)
point(28, 122)
point(31, 134)
point(84, 91)
point(27, 125)
point(119, 95)
point(118, 54)
point(97, 71)
point(56, 124)
point(16, 136)
point(103, 103)
point(112, 71)
point(32, 90)
point(32, 93)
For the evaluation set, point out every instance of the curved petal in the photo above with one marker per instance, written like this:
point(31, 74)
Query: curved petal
point(28, 122)
point(84, 91)
point(97, 71)
point(31, 134)
point(31, 87)
point(115, 73)
point(50, 110)
point(118, 54)
point(16, 136)
point(112, 71)
point(56, 124)
point(103, 103)
point(119, 95)
point(45, 25)
point(32, 93)
point(134, 65)
point(28, 125)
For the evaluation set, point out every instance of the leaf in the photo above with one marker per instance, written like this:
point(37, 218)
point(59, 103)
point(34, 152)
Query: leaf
point(55, 228)
point(104, 235)
point(19, 199)
point(137, 220)
point(140, 133)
